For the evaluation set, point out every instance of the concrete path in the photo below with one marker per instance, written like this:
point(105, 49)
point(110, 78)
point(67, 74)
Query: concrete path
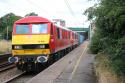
point(79, 71)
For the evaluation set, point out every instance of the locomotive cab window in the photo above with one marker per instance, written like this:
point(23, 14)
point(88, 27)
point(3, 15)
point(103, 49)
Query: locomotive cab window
point(22, 29)
point(51, 30)
point(39, 28)
point(58, 33)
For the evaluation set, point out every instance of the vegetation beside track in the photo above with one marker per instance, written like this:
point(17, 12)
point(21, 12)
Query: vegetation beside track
point(5, 46)
point(104, 72)
point(109, 36)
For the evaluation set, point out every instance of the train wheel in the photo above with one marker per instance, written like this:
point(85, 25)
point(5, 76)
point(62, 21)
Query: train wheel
point(59, 55)
point(40, 66)
point(63, 53)
point(54, 57)
point(50, 61)
point(68, 50)
point(18, 66)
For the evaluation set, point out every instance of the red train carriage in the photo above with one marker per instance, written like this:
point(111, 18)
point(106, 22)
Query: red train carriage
point(37, 41)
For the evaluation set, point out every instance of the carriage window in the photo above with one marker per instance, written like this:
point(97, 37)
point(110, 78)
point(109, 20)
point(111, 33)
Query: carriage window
point(63, 35)
point(39, 28)
point(22, 29)
point(58, 33)
point(51, 30)
point(69, 35)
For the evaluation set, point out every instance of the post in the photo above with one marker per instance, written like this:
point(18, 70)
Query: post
point(7, 33)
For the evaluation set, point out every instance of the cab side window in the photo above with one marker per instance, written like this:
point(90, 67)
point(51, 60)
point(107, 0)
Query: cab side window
point(58, 33)
point(51, 30)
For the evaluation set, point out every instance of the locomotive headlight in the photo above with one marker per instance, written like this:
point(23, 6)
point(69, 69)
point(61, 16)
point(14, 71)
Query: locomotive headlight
point(13, 59)
point(42, 59)
point(41, 46)
point(17, 47)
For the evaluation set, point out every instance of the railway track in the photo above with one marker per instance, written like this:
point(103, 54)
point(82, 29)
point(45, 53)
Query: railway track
point(5, 66)
point(14, 77)
point(4, 57)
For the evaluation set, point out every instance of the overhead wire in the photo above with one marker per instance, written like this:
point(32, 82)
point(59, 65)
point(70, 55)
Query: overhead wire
point(72, 12)
point(68, 6)
point(44, 11)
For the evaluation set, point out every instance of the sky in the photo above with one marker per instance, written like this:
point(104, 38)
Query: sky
point(69, 10)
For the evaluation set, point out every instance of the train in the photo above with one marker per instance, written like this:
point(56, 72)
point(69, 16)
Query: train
point(81, 39)
point(36, 41)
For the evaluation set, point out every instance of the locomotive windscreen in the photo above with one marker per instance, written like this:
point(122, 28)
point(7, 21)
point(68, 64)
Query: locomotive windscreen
point(39, 28)
point(32, 28)
point(22, 29)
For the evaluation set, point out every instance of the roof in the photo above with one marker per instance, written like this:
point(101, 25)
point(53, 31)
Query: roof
point(78, 29)
point(32, 19)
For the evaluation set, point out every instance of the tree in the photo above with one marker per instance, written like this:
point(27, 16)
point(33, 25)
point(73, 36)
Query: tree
point(31, 14)
point(109, 17)
point(6, 24)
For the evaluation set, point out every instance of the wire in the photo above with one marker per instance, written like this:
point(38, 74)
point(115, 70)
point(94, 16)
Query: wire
point(67, 4)
point(71, 11)
point(30, 2)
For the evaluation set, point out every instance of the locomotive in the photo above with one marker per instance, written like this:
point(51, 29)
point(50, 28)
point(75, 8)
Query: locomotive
point(36, 41)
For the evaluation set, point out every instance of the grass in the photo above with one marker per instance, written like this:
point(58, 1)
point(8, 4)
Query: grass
point(103, 71)
point(5, 46)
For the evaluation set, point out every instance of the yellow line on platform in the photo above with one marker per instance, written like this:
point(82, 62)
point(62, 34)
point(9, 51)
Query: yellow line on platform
point(77, 63)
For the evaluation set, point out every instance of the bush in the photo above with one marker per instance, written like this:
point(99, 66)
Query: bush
point(109, 18)
point(117, 57)
point(95, 44)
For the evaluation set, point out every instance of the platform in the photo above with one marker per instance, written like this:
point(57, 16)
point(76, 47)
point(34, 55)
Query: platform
point(75, 67)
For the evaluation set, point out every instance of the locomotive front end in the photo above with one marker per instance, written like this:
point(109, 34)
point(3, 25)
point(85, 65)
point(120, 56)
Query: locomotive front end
point(30, 45)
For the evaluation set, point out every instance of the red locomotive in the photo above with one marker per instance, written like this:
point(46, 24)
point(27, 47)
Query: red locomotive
point(37, 41)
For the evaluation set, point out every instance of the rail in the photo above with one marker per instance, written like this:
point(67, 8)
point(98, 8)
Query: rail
point(4, 57)
point(14, 77)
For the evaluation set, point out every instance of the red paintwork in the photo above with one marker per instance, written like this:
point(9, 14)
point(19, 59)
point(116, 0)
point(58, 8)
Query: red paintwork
point(55, 43)
point(29, 20)
point(33, 19)
point(65, 41)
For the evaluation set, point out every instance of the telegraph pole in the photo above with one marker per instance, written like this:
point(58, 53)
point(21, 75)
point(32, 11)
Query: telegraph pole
point(7, 33)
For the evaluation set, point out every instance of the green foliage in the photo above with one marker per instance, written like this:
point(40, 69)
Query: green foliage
point(31, 14)
point(109, 37)
point(95, 44)
point(118, 57)
point(6, 24)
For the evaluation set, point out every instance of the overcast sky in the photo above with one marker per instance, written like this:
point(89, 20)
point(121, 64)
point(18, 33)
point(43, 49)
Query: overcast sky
point(51, 9)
